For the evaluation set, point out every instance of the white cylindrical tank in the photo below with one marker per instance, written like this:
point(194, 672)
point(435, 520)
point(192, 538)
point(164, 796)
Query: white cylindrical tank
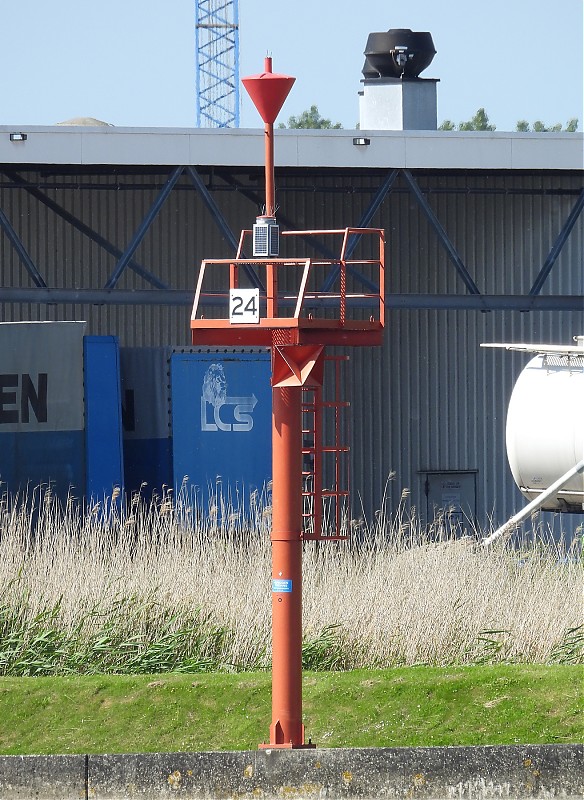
point(545, 428)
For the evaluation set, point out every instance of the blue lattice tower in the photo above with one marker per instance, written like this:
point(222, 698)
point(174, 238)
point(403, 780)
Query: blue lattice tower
point(217, 58)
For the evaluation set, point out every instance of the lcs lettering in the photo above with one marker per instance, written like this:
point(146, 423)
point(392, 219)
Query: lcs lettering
point(241, 413)
point(19, 396)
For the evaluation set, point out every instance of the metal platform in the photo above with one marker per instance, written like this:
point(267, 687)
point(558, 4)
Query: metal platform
point(306, 312)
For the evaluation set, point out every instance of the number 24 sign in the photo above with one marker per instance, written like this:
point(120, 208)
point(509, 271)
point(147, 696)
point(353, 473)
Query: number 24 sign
point(244, 305)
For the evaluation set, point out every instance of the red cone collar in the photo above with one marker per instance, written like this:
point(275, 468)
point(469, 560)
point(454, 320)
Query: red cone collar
point(268, 91)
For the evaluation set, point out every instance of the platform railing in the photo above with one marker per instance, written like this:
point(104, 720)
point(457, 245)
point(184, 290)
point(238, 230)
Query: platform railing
point(303, 301)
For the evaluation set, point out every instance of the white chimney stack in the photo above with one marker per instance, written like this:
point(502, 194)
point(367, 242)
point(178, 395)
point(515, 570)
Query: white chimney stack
point(394, 97)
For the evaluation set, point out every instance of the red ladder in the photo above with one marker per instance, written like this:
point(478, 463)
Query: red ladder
point(324, 510)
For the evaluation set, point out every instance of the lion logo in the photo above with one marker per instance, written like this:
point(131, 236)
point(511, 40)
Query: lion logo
point(215, 386)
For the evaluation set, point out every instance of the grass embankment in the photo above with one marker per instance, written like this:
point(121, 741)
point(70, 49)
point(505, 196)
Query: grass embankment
point(417, 706)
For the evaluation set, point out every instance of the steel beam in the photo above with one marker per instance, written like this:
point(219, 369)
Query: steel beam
point(21, 250)
point(412, 302)
point(380, 196)
point(213, 208)
point(120, 186)
point(442, 235)
point(485, 302)
point(83, 228)
point(558, 244)
point(98, 297)
point(219, 219)
point(143, 228)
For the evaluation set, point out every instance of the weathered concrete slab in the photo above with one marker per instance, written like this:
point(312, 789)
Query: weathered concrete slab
point(432, 773)
point(46, 777)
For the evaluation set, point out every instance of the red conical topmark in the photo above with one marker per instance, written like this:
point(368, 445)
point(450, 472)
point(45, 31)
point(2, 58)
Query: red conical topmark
point(268, 91)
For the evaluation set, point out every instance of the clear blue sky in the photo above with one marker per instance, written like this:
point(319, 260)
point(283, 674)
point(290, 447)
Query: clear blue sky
point(132, 62)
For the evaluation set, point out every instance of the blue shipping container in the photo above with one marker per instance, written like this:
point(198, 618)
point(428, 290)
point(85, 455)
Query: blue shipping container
point(103, 416)
point(41, 407)
point(221, 423)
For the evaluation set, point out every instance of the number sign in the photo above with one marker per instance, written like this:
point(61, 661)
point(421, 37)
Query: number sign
point(244, 305)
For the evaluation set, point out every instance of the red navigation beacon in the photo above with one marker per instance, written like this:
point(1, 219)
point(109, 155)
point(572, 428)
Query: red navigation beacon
point(296, 305)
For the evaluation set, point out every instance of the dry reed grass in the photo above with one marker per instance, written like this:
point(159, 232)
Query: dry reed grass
point(165, 586)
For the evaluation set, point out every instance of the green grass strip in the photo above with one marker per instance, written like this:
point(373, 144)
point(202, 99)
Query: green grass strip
point(416, 706)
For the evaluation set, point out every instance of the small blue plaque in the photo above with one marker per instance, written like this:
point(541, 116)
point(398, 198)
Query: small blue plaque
point(281, 585)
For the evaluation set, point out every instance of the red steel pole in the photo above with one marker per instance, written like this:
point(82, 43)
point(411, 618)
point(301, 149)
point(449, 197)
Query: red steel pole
point(269, 155)
point(287, 729)
point(269, 169)
point(271, 277)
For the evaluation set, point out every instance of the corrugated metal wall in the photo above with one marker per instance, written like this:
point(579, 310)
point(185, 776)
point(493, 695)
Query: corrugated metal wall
point(430, 399)
point(433, 400)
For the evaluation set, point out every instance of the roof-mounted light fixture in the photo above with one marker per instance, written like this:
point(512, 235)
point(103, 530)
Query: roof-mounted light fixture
point(18, 137)
point(361, 141)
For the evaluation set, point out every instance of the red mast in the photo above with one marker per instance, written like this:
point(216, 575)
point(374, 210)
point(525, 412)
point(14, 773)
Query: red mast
point(297, 343)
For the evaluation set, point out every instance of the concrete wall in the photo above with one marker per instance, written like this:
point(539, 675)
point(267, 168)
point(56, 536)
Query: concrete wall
point(476, 773)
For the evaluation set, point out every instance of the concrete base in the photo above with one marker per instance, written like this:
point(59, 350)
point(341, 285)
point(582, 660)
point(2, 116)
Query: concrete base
point(476, 773)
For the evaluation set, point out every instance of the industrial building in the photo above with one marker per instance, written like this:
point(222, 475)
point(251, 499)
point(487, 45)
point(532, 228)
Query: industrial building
point(484, 243)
